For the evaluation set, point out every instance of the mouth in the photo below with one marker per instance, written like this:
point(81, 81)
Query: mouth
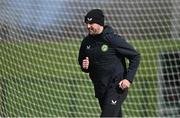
point(91, 31)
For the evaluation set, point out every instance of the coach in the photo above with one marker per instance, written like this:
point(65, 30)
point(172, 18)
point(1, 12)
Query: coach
point(102, 54)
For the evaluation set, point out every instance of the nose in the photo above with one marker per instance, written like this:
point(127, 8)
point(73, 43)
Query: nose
point(88, 25)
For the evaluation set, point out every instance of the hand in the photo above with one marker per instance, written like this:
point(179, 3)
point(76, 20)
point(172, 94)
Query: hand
point(85, 63)
point(123, 84)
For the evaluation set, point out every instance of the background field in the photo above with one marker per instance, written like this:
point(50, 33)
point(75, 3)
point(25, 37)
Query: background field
point(37, 81)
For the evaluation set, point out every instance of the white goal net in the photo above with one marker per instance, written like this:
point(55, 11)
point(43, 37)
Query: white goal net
point(39, 44)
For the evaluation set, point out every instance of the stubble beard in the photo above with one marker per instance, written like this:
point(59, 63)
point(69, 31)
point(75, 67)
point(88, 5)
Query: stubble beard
point(93, 32)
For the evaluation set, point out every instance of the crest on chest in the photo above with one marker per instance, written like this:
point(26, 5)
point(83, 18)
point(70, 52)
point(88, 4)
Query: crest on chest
point(104, 48)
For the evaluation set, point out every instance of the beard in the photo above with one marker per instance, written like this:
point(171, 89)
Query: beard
point(93, 32)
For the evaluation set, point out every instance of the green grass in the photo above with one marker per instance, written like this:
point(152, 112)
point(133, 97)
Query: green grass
point(44, 79)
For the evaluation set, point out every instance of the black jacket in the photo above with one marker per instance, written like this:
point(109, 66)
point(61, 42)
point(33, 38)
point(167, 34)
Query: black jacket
point(107, 52)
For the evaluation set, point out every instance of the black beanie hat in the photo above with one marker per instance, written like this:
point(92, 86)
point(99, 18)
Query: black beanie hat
point(95, 16)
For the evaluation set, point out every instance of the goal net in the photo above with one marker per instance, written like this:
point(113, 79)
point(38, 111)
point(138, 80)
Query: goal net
point(39, 44)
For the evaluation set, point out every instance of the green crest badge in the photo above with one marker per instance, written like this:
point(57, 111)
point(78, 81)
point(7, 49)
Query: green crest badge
point(104, 47)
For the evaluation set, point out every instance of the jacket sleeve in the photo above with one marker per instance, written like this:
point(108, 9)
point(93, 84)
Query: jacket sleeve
point(126, 50)
point(82, 56)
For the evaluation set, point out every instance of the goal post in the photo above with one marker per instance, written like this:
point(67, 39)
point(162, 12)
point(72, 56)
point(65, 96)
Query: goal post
point(39, 44)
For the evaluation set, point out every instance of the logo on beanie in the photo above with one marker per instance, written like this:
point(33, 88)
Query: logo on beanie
point(89, 19)
point(104, 47)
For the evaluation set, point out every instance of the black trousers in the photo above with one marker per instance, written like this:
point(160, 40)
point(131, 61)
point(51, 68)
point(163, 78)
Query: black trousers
point(111, 102)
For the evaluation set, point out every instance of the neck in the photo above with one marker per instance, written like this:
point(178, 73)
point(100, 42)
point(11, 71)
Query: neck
point(100, 29)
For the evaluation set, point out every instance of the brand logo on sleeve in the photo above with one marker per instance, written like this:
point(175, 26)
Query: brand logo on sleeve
point(104, 47)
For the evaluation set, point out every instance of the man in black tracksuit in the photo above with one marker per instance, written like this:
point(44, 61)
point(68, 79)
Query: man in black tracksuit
point(102, 54)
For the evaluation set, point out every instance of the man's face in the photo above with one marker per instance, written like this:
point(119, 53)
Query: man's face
point(93, 28)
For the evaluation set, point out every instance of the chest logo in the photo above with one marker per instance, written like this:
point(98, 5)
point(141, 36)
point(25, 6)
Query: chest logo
point(113, 102)
point(104, 47)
